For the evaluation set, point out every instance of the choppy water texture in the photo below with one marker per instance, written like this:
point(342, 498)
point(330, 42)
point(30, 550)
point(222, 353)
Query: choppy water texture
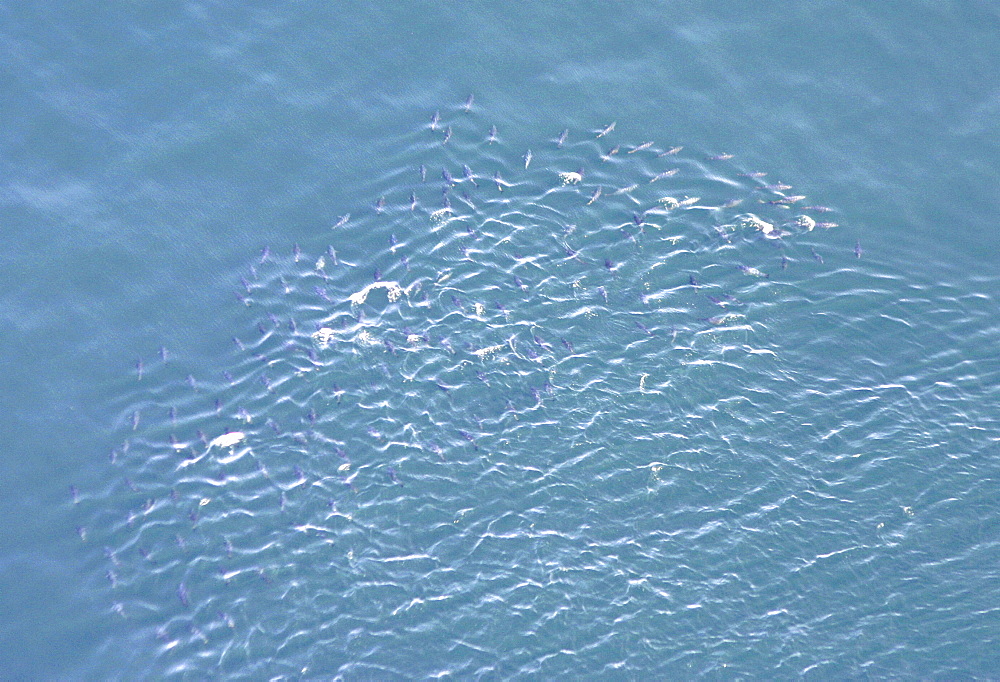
point(607, 406)
point(314, 371)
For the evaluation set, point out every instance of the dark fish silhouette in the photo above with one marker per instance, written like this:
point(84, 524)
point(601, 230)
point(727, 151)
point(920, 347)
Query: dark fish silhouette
point(468, 175)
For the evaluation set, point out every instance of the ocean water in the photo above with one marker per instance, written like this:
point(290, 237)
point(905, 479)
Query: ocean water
point(310, 375)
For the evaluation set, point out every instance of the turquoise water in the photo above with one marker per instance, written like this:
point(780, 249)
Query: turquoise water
point(612, 436)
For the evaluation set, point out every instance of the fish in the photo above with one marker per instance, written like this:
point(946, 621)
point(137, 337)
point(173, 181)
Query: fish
point(753, 272)
point(435, 119)
point(447, 135)
point(226, 440)
point(468, 103)
point(644, 145)
point(607, 130)
point(596, 195)
point(819, 258)
point(493, 135)
point(665, 174)
point(380, 205)
point(527, 159)
point(138, 369)
point(447, 177)
point(857, 249)
point(497, 179)
point(785, 201)
point(423, 173)
point(562, 138)
point(468, 175)
point(413, 201)
point(720, 157)
point(670, 152)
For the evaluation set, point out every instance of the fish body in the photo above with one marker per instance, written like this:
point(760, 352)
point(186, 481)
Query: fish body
point(753, 272)
point(665, 174)
point(644, 145)
point(469, 176)
point(226, 440)
point(607, 130)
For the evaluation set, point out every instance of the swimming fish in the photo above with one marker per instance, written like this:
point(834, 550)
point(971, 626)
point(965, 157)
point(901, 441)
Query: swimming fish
point(468, 175)
point(644, 145)
point(527, 159)
point(562, 138)
point(607, 130)
point(226, 440)
point(665, 174)
point(753, 272)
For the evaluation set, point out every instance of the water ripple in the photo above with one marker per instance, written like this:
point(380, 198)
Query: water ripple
point(524, 417)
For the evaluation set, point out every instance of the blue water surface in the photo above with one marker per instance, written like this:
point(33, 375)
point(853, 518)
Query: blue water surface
point(721, 406)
